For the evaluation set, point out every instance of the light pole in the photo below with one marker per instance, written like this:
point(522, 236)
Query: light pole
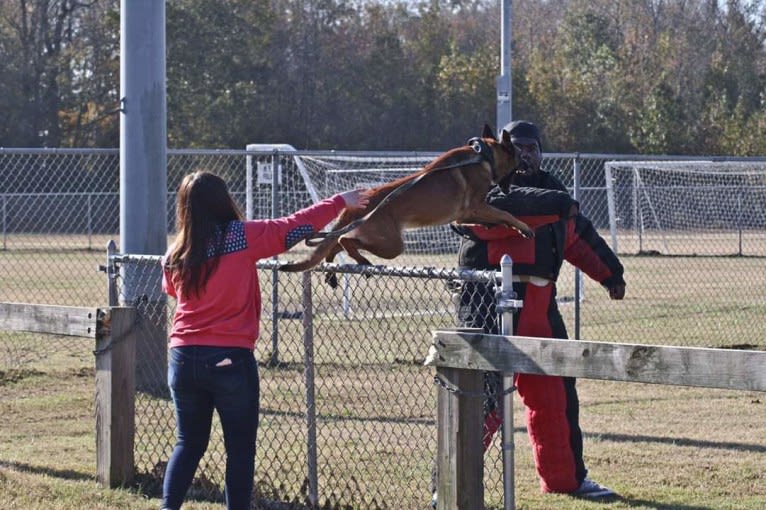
point(504, 81)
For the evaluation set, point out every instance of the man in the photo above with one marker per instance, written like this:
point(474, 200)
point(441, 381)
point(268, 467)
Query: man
point(562, 233)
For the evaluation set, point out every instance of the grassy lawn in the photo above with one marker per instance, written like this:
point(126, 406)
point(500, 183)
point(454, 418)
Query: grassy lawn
point(661, 447)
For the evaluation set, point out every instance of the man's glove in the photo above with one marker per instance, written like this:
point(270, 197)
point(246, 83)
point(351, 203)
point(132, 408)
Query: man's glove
point(464, 230)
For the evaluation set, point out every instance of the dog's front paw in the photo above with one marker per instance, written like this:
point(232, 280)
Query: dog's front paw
point(331, 279)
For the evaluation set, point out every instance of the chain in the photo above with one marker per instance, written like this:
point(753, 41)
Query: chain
point(138, 323)
point(472, 394)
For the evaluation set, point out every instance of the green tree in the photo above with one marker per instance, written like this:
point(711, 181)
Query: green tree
point(11, 94)
point(89, 111)
point(735, 83)
point(466, 89)
point(660, 122)
point(572, 85)
point(38, 45)
point(218, 69)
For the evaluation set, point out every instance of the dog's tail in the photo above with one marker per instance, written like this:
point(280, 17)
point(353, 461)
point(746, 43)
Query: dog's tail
point(320, 252)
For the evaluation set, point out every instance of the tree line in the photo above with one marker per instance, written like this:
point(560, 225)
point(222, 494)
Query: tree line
point(613, 76)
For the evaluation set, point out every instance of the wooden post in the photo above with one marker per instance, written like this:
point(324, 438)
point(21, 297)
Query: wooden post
point(460, 454)
point(115, 395)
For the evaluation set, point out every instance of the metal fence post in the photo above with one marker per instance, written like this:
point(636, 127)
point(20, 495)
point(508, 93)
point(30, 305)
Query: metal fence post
point(638, 215)
point(577, 272)
point(249, 186)
point(739, 223)
point(89, 216)
point(275, 212)
point(5, 246)
point(308, 372)
point(506, 305)
point(111, 274)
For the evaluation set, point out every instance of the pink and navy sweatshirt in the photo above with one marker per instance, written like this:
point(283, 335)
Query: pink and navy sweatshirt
point(228, 310)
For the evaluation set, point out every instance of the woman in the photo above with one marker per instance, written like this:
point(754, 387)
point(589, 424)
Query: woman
point(210, 270)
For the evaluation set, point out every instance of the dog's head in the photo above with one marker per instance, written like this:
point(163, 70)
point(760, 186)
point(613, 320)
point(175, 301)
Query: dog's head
point(505, 159)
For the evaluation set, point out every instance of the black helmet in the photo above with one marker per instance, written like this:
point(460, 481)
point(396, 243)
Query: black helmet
point(524, 132)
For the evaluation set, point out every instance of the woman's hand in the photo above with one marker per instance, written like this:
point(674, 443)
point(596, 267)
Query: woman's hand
point(356, 198)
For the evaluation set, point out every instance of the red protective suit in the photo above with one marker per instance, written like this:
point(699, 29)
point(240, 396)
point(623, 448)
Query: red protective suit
point(552, 406)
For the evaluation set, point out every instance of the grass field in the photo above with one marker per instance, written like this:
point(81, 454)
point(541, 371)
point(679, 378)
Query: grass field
point(661, 447)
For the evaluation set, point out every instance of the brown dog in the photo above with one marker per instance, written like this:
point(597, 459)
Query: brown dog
point(452, 188)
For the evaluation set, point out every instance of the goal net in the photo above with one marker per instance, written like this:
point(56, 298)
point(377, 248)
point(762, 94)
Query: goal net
point(305, 179)
point(713, 208)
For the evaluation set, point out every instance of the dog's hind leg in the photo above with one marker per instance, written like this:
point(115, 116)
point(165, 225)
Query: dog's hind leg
point(385, 246)
point(330, 277)
point(352, 247)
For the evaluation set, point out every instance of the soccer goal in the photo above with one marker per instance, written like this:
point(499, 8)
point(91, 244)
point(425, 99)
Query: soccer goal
point(714, 208)
point(305, 179)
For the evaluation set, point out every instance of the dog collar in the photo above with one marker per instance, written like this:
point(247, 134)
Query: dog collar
point(483, 149)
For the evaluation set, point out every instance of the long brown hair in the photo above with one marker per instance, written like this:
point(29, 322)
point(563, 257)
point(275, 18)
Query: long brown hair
point(204, 208)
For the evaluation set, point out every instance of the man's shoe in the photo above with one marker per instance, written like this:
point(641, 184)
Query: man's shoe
point(591, 490)
point(434, 500)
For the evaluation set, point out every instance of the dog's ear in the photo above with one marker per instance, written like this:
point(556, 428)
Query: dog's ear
point(505, 138)
point(488, 132)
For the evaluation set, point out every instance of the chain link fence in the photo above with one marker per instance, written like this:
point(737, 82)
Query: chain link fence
point(375, 433)
point(356, 355)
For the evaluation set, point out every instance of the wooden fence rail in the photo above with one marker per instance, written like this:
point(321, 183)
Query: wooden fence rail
point(114, 330)
point(461, 358)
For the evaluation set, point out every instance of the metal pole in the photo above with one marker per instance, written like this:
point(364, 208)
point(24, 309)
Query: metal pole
point(249, 187)
point(739, 222)
point(346, 296)
point(275, 212)
point(143, 129)
point(111, 274)
point(610, 205)
point(5, 231)
point(504, 81)
point(577, 273)
point(308, 371)
point(143, 176)
point(638, 215)
point(90, 220)
point(506, 305)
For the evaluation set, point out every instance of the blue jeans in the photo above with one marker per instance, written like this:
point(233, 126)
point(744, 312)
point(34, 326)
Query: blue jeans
point(200, 380)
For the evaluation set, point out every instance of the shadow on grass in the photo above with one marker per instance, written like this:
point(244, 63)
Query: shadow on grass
point(642, 503)
point(637, 503)
point(267, 494)
point(67, 474)
point(675, 441)
point(617, 438)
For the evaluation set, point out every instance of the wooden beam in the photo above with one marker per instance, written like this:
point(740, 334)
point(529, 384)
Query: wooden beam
point(55, 320)
point(683, 366)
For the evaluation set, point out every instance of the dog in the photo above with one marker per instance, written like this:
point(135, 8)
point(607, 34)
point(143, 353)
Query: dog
point(452, 188)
